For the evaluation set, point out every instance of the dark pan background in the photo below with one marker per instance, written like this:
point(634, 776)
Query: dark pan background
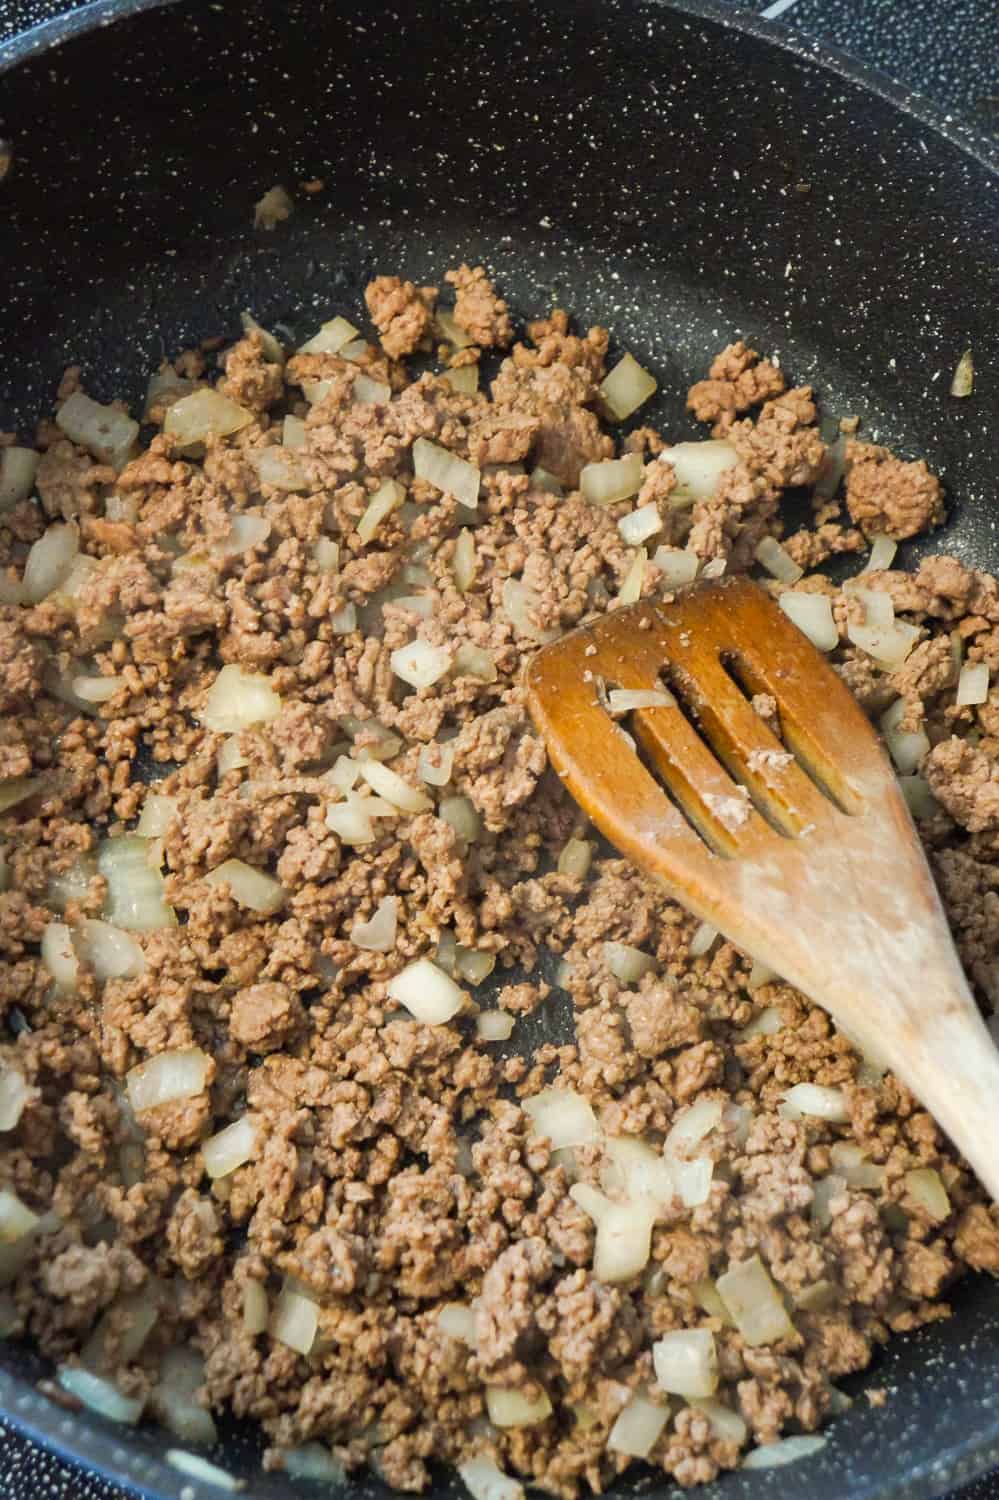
point(947, 52)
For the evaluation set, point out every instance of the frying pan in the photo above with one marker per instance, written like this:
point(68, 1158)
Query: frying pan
point(670, 171)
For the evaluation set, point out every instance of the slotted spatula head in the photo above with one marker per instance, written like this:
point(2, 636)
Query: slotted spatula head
point(759, 794)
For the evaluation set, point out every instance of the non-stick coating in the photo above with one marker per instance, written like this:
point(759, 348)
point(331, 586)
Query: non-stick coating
point(671, 174)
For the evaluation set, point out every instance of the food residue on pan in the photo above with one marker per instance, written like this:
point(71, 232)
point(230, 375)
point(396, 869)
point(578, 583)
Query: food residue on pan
point(283, 861)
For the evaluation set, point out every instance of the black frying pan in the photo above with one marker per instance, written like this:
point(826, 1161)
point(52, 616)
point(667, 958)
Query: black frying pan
point(664, 170)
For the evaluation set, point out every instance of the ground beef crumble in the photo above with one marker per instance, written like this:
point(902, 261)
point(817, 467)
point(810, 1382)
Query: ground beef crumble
point(393, 1170)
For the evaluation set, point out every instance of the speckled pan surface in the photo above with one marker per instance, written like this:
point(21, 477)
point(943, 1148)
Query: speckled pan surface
point(678, 178)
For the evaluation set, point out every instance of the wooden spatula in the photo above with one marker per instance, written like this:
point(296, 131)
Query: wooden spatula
point(799, 848)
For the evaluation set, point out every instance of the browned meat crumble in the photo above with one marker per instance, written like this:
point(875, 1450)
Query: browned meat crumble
point(393, 1171)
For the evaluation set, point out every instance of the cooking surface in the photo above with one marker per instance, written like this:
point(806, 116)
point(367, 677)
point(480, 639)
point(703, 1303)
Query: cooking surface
point(944, 51)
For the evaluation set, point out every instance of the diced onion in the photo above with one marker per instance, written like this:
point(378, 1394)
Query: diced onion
point(818, 1297)
point(231, 1147)
point(435, 763)
point(543, 479)
point(677, 565)
point(963, 380)
point(420, 664)
point(294, 1321)
point(110, 952)
point(698, 468)
point(626, 387)
point(686, 1362)
point(351, 821)
point(18, 467)
point(49, 561)
point(279, 468)
point(175, 1400)
point(511, 1408)
point(759, 975)
point(624, 1232)
point(907, 748)
point(973, 684)
point(879, 611)
point(128, 1322)
point(204, 414)
point(889, 646)
point(330, 339)
point(191, 1463)
point(14, 1095)
point(690, 1127)
point(626, 963)
point(812, 613)
point(693, 1180)
point(313, 1461)
point(72, 884)
point(294, 434)
point(109, 434)
point(59, 957)
point(919, 799)
point(638, 1170)
point(883, 549)
point(158, 812)
point(754, 1303)
point(167, 1078)
point(95, 689)
point(640, 524)
point(238, 700)
point(565, 1117)
point(135, 899)
point(715, 568)
point(447, 472)
point(703, 940)
point(256, 1314)
point(494, 1025)
point(625, 700)
point(726, 1424)
point(326, 554)
point(771, 555)
point(520, 602)
point(387, 497)
point(388, 784)
point(271, 349)
point(631, 587)
point(475, 965)
point(315, 391)
point(368, 392)
point(99, 1395)
point(378, 934)
point(427, 992)
point(926, 1185)
point(816, 1100)
point(458, 1322)
point(823, 1192)
point(575, 859)
point(230, 756)
point(765, 1023)
point(344, 620)
point(484, 1481)
point(850, 1161)
point(16, 1219)
point(463, 817)
point(611, 479)
point(448, 329)
point(786, 1451)
point(464, 380)
point(474, 661)
point(248, 887)
point(706, 1296)
point(638, 1427)
point(464, 562)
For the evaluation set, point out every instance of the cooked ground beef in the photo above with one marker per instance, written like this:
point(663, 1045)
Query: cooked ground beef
point(392, 1170)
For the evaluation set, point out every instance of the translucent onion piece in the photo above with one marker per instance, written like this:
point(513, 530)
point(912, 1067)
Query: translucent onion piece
point(230, 756)
point(850, 1161)
point(164, 389)
point(231, 1147)
point(110, 435)
point(95, 689)
point(49, 561)
point(388, 784)
point(631, 588)
point(344, 773)
point(204, 414)
point(575, 859)
point(520, 602)
point(14, 1095)
point(18, 789)
point(759, 975)
point(565, 1117)
point(294, 434)
point(754, 1303)
point(464, 380)
point(387, 497)
point(272, 350)
point(110, 952)
point(435, 763)
point(427, 992)
point(907, 748)
point(703, 940)
point(279, 468)
point(175, 1400)
point(698, 468)
point(420, 664)
point(511, 1408)
point(59, 957)
point(766, 1023)
point(973, 684)
point(726, 1424)
point(256, 1312)
point(99, 1395)
point(686, 1362)
point(72, 884)
point(167, 1078)
point(786, 1451)
point(677, 566)
point(248, 887)
point(963, 382)
point(326, 554)
point(473, 965)
point(816, 1100)
point(542, 479)
point(824, 1191)
point(638, 1170)
point(626, 963)
point(128, 1322)
point(484, 1481)
point(771, 555)
point(879, 611)
point(638, 1427)
point(474, 661)
point(458, 1322)
point(926, 1186)
point(191, 1463)
point(379, 933)
point(313, 1461)
point(351, 822)
point(463, 817)
point(626, 387)
point(158, 812)
point(919, 799)
point(368, 392)
point(464, 562)
point(16, 1219)
point(812, 613)
point(883, 549)
point(818, 1297)
point(625, 700)
point(611, 479)
point(355, 350)
point(693, 1180)
point(690, 1127)
point(238, 700)
point(494, 1025)
point(889, 646)
point(315, 391)
point(447, 472)
point(135, 899)
point(330, 339)
point(640, 524)
point(624, 1232)
point(343, 621)
point(294, 1321)
point(18, 467)
point(706, 1296)
point(448, 329)
point(715, 568)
